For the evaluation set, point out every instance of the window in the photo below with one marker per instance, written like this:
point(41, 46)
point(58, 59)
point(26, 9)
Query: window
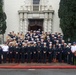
point(36, 5)
point(35, 8)
point(36, 1)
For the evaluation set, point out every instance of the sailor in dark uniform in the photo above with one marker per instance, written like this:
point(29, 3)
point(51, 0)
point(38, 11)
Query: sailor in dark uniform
point(42, 42)
point(23, 53)
point(69, 54)
point(11, 50)
point(35, 52)
point(50, 53)
point(54, 53)
point(32, 43)
point(29, 53)
point(0, 54)
point(39, 52)
point(65, 53)
point(17, 53)
point(59, 53)
point(20, 46)
point(62, 46)
point(44, 52)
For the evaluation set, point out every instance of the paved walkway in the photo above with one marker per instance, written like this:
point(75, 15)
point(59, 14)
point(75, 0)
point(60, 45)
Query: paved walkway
point(36, 66)
point(37, 71)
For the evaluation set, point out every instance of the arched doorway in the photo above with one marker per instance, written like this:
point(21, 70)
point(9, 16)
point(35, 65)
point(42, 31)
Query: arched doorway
point(35, 24)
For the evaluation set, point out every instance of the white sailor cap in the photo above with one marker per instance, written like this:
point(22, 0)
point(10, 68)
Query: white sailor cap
point(36, 36)
point(65, 43)
point(23, 43)
point(59, 44)
point(44, 43)
point(62, 40)
point(54, 37)
point(69, 43)
point(37, 39)
point(50, 44)
point(32, 39)
point(48, 38)
point(34, 42)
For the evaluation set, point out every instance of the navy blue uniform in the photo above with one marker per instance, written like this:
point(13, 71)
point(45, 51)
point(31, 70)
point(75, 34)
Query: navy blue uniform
point(28, 54)
point(17, 54)
point(54, 52)
point(65, 54)
point(39, 53)
point(59, 54)
point(34, 53)
point(50, 54)
point(0, 54)
point(69, 55)
point(11, 50)
point(23, 54)
point(44, 53)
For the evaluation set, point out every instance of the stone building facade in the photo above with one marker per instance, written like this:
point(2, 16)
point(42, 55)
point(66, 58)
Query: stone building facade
point(24, 15)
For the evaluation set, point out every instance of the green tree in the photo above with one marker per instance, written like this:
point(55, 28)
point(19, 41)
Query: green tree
point(2, 19)
point(67, 15)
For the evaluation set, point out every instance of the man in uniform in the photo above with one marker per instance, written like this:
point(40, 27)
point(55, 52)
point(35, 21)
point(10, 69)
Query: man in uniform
point(65, 53)
point(54, 53)
point(5, 52)
point(69, 54)
point(0, 54)
point(17, 53)
point(59, 53)
point(11, 50)
point(73, 50)
point(39, 52)
point(22, 52)
point(34, 52)
point(44, 52)
point(29, 53)
point(50, 53)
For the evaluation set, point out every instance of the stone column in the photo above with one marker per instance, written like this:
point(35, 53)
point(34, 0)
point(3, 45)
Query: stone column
point(50, 23)
point(45, 25)
point(45, 22)
point(42, 7)
point(25, 23)
point(21, 22)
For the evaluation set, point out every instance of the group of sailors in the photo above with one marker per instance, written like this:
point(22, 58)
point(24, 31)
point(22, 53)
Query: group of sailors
point(38, 47)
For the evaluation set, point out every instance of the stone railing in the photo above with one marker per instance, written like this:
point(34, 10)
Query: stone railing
point(41, 8)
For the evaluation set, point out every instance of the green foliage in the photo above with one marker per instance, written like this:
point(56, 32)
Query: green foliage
point(67, 15)
point(2, 19)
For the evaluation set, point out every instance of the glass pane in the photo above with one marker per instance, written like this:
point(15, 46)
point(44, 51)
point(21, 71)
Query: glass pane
point(35, 8)
point(36, 1)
